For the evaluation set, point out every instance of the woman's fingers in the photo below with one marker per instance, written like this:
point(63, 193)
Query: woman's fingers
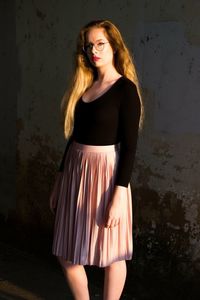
point(112, 215)
point(52, 208)
point(52, 203)
point(112, 222)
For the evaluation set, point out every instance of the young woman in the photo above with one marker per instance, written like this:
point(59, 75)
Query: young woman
point(91, 197)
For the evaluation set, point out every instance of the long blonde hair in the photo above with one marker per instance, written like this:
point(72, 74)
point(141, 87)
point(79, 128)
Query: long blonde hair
point(85, 73)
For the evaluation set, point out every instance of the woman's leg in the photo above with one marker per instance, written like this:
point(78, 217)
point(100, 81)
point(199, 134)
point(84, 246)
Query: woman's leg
point(76, 278)
point(114, 280)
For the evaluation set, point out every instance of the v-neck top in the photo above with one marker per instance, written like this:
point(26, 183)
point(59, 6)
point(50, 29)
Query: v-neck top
point(111, 118)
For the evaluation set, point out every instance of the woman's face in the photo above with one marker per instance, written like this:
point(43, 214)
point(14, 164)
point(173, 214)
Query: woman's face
point(98, 48)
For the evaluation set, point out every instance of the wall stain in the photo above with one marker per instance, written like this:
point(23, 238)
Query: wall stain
point(179, 168)
point(162, 149)
point(160, 226)
point(145, 174)
point(40, 14)
point(35, 180)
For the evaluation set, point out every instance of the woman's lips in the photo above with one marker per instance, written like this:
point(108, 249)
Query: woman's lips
point(95, 58)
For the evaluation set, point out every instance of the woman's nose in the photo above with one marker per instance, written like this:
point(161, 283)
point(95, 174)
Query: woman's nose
point(93, 49)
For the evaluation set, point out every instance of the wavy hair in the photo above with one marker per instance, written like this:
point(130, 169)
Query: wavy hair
point(85, 73)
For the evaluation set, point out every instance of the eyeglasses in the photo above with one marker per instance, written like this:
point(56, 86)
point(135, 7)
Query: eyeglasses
point(99, 46)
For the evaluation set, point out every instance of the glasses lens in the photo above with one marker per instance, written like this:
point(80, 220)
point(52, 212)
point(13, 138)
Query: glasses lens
point(99, 46)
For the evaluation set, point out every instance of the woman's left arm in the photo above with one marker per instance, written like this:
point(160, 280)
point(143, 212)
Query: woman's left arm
point(130, 111)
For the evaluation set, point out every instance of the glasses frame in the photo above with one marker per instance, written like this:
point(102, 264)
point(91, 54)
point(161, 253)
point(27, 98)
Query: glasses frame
point(90, 47)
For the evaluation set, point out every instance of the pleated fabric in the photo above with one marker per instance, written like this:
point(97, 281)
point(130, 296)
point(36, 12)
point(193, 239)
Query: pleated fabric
point(85, 189)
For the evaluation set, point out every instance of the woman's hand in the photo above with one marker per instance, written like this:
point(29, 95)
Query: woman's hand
point(54, 193)
point(114, 208)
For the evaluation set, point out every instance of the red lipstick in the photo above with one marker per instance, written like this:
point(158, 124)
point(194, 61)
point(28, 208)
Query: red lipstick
point(95, 58)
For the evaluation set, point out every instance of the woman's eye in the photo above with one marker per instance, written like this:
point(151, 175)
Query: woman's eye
point(100, 44)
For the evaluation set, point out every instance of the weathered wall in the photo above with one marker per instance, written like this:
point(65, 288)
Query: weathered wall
point(165, 38)
point(167, 42)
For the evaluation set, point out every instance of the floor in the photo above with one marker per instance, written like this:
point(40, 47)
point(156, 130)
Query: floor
point(29, 277)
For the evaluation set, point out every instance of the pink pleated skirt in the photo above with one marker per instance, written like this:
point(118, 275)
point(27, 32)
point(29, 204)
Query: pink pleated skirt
point(84, 192)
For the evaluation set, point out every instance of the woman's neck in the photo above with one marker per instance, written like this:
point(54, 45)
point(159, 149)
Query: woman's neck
point(107, 74)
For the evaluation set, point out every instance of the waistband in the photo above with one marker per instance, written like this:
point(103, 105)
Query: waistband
point(95, 148)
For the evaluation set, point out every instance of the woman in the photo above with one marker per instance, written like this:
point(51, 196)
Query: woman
point(92, 195)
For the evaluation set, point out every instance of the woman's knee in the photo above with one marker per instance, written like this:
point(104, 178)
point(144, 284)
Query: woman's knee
point(116, 264)
point(64, 263)
point(68, 265)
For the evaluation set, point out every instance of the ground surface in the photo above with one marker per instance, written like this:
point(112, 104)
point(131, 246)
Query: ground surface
point(24, 276)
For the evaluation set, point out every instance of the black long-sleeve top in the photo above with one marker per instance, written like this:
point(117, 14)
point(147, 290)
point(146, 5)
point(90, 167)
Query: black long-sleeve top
point(111, 118)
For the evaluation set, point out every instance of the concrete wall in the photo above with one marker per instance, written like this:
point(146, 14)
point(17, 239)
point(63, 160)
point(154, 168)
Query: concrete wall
point(165, 38)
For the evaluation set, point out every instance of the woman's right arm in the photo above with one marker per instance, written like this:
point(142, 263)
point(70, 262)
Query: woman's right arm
point(61, 167)
point(58, 179)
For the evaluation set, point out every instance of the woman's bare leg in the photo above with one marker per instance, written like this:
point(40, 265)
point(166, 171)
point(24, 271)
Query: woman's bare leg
point(114, 280)
point(76, 278)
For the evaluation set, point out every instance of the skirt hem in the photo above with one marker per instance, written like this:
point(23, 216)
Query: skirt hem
point(96, 264)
